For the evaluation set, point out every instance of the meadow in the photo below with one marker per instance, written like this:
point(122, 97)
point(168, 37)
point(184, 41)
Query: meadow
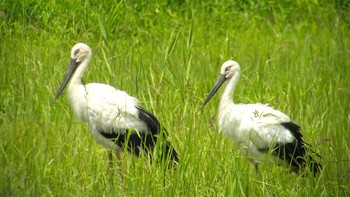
point(294, 55)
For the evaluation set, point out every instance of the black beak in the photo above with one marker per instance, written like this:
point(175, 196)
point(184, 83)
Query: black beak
point(69, 73)
point(215, 88)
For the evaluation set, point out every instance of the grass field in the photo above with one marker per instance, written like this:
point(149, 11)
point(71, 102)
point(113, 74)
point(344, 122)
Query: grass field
point(294, 55)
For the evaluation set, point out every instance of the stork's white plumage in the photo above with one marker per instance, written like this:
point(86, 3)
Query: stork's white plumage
point(262, 133)
point(114, 118)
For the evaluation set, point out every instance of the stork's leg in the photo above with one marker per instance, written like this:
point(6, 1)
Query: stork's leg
point(118, 154)
point(110, 159)
point(256, 165)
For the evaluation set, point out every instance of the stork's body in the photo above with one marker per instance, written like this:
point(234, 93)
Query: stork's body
point(262, 133)
point(114, 118)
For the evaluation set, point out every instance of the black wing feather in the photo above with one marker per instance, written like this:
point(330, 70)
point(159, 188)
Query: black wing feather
point(131, 140)
point(294, 152)
point(137, 142)
point(151, 121)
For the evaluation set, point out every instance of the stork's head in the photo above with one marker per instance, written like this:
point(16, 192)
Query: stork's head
point(229, 69)
point(80, 52)
point(80, 56)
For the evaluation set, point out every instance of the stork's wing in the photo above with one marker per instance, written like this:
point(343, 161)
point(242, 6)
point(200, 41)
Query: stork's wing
point(151, 121)
point(273, 131)
point(267, 131)
point(113, 111)
point(114, 114)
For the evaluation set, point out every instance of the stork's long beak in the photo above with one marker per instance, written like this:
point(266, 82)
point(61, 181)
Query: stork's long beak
point(69, 73)
point(215, 88)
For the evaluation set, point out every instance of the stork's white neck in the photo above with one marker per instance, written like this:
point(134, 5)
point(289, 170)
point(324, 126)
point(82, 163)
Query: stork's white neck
point(78, 75)
point(226, 97)
point(76, 92)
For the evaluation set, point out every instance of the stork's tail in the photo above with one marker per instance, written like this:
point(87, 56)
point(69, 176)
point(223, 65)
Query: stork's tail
point(161, 150)
point(314, 166)
point(171, 152)
point(297, 152)
point(301, 163)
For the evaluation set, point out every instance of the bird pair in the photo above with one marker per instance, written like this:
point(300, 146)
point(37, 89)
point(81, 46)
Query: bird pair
point(117, 121)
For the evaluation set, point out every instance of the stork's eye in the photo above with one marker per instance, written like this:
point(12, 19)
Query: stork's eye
point(76, 52)
point(227, 68)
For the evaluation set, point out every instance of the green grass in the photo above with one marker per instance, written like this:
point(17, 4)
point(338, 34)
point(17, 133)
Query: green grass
point(294, 55)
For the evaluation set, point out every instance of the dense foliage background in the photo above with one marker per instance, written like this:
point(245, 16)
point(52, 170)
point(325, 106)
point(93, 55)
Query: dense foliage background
point(294, 55)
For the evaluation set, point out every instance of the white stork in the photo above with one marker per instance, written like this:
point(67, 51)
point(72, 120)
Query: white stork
point(115, 119)
point(263, 134)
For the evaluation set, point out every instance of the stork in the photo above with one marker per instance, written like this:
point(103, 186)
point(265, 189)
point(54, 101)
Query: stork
point(115, 119)
point(263, 134)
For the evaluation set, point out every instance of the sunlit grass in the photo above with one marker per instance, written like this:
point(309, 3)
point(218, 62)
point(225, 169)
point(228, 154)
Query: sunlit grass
point(293, 55)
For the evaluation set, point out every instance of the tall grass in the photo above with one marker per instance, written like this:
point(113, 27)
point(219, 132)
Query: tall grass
point(293, 54)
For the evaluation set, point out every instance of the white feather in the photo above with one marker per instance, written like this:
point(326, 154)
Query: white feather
point(110, 113)
point(101, 106)
point(255, 128)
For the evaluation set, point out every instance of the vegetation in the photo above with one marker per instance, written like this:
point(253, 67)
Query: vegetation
point(294, 55)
